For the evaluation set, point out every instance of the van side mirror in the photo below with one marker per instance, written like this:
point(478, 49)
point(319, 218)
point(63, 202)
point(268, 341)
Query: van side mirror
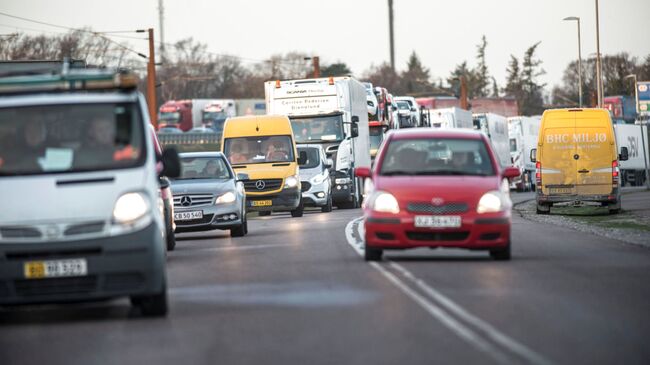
point(624, 156)
point(329, 163)
point(533, 155)
point(242, 176)
point(302, 158)
point(171, 163)
point(354, 128)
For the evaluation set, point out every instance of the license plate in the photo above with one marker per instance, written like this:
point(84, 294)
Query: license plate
point(188, 216)
point(261, 203)
point(55, 268)
point(437, 221)
point(560, 190)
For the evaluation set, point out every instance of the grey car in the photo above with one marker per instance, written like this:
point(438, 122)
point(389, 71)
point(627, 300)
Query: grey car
point(208, 195)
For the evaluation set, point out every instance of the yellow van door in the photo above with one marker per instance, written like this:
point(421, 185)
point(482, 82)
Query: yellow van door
point(594, 146)
point(558, 155)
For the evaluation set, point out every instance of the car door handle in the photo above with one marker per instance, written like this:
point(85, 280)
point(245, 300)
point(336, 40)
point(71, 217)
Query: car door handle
point(583, 171)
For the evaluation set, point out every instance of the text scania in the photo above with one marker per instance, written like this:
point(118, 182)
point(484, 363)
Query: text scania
point(577, 138)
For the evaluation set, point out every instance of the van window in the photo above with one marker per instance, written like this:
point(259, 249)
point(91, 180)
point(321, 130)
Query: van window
point(513, 145)
point(70, 138)
point(313, 158)
point(264, 149)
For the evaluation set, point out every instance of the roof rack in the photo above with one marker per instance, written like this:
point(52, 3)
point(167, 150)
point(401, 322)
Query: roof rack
point(70, 80)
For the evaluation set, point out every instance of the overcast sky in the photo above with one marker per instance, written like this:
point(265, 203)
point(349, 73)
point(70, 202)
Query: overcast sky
point(443, 33)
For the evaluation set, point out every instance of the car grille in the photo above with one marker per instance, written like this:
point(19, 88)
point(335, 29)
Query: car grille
point(195, 200)
point(19, 232)
point(437, 236)
point(33, 287)
point(207, 218)
point(449, 208)
point(84, 228)
point(269, 185)
point(305, 186)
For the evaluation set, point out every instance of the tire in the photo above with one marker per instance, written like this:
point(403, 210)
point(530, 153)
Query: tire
point(501, 254)
point(242, 229)
point(543, 209)
point(373, 254)
point(152, 305)
point(327, 207)
point(298, 212)
point(264, 213)
point(614, 208)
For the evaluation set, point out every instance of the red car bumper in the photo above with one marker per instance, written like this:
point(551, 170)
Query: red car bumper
point(479, 232)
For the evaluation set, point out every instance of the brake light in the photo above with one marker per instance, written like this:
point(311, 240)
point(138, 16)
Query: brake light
point(277, 84)
point(615, 173)
point(538, 174)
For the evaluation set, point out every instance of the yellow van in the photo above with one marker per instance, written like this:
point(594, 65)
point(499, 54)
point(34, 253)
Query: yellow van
point(262, 147)
point(577, 160)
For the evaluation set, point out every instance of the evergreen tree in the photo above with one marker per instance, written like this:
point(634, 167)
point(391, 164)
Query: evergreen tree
point(532, 102)
point(482, 78)
point(416, 77)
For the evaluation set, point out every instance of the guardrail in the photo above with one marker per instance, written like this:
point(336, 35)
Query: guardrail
point(191, 142)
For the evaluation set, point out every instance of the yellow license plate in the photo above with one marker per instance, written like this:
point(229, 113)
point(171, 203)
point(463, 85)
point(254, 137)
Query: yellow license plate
point(561, 191)
point(55, 268)
point(261, 203)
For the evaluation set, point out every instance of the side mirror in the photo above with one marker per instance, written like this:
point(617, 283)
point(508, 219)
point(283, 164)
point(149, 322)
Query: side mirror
point(329, 163)
point(414, 110)
point(242, 176)
point(302, 158)
point(171, 163)
point(362, 172)
point(511, 172)
point(354, 128)
point(533, 155)
point(624, 156)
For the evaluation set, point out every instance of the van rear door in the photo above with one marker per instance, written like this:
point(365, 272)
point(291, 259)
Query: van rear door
point(557, 156)
point(594, 145)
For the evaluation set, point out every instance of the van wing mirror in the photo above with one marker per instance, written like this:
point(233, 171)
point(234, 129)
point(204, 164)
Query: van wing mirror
point(354, 127)
point(624, 156)
point(533, 155)
point(511, 172)
point(242, 176)
point(329, 163)
point(171, 163)
point(302, 158)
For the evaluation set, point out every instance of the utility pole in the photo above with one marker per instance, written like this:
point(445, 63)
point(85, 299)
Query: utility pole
point(151, 82)
point(161, 28)
point(316, 63)
point(599, 68)
point(392, 41)
point(463, 93)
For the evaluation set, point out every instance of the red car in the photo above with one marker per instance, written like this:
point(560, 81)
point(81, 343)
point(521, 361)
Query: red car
point(437, 188)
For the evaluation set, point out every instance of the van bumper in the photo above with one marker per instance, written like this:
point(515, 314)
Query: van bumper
point(132, 264)
point(286, 200)
point(613, 198)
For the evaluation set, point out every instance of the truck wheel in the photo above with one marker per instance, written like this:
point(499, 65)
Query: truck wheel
point(543, 209)
point(152, 305)
point(296, 213)
point(328, 207)
point(614, 208)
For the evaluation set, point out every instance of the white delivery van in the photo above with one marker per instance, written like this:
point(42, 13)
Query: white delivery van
point(496, 128)
point(523, 132)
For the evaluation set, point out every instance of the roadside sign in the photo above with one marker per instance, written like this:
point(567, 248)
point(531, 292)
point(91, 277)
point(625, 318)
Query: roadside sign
point(643, 92)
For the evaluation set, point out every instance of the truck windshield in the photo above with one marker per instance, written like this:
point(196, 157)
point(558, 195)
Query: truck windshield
point(403, 105)
point(313, 157)
point(376, 136)
point(214, 117)
point(266, 149)
point(318, 129)
point(70, 138)
point(409, 157)
point(169, 117)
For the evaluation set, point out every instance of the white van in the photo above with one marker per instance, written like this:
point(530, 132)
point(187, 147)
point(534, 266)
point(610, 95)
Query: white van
point(81, 215)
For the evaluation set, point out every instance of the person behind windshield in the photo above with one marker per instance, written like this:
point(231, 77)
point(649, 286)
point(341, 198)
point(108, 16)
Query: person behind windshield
point(211, 170)
point(100, 145)
point(32, 147)
point(460, 160)
point(236, 155)
point(276, 151)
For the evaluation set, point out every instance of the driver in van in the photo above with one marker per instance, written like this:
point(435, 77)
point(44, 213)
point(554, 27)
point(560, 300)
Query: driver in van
point(275, 151)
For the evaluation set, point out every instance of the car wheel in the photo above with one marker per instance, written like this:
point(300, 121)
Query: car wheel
point(296, 213)
point(171, 240)
point(238, 231)
point(614, 208)
point(328, 207)
point(152, 305)
point(501, 254)
point(373, 254)
point(264, 213)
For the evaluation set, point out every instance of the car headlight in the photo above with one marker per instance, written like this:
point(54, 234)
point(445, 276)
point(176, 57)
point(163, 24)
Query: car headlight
point(226, 198)
point(291, 182)
point(130, 207)
point(492, 202)
point(384, 202)
point(318, 179)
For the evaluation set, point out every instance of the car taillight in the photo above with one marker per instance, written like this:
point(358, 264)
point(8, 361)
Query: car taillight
point(615, 173)
point(538, 173)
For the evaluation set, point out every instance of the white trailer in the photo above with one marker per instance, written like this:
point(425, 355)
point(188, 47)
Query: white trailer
point(250, 106)
point(523, 132)
point(496, 128)
point(450, 118)
point(633, 171)
point(332, 112)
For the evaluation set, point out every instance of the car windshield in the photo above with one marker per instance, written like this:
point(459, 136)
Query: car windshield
point(265, 149)
point(70, 138)
point(318, 129)
point(313, 157)
point(376, 136)
point(437, 156)
point(204, 168)
point(403, 105)
point(513, 145)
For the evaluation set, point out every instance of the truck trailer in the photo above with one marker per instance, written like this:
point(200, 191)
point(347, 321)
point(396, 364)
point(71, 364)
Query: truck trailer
point(450, 118)
point(635, 138)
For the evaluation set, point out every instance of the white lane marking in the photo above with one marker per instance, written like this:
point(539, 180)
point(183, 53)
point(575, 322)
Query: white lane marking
point(440, 314)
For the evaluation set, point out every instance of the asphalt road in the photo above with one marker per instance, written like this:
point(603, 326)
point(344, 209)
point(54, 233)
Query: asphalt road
point(295, 291)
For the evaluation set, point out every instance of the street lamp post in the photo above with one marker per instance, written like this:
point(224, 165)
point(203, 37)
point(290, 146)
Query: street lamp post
point(645, 158)
point(599, 68)
point(579, 59)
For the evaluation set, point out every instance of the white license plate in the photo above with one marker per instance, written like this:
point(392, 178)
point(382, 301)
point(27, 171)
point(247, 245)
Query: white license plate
point(437, 221)
point(188, 216)
point(55, 268)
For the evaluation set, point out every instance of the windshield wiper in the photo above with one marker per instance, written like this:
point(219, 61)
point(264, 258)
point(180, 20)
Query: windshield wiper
point(398, 172)
point(450, 172)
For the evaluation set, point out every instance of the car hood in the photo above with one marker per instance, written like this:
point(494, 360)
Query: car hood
point(468, 189)
point(201, 186)
point(308, 174)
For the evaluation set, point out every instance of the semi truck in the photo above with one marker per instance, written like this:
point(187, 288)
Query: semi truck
point(182, 114)
point(450, 118)
point(496, 128)
point(332, 112)
point(621, 108)
point(523, 132)
point(215, 113)
point(635, 138)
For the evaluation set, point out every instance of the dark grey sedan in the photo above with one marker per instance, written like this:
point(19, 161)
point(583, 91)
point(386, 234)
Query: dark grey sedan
point(208, 195)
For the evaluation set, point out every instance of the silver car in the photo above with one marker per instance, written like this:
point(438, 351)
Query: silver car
point(315, 178)
point(208, 195)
